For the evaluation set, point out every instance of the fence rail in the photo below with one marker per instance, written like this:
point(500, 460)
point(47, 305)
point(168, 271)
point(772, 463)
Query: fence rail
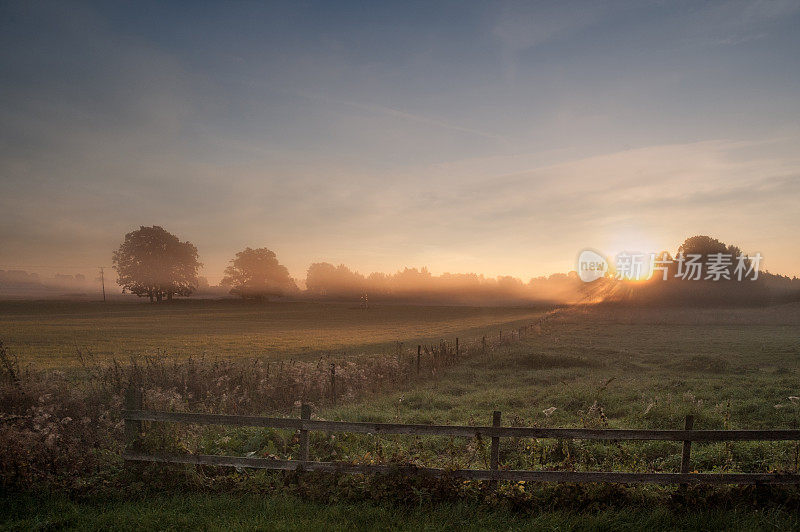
point(134, 415)
point(466, 431)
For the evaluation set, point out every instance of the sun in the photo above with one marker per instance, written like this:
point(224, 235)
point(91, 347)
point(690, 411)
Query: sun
point(632, 248)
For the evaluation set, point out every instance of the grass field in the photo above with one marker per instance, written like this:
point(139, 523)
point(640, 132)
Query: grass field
point(595, 367)
point(620, 369)
point(256, 512)
point(48, 333)
point(673, 361)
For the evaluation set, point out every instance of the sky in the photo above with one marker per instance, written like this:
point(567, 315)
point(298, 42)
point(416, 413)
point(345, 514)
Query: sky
point(493, 137)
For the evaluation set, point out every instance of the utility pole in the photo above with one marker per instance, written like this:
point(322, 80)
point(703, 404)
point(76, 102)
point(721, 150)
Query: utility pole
point(103, 283)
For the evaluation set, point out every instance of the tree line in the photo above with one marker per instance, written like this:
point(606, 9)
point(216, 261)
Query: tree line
point(153, 263)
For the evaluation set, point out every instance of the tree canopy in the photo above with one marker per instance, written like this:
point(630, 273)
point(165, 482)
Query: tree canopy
point(706, 246)
point(153, 262)
point(257, 274)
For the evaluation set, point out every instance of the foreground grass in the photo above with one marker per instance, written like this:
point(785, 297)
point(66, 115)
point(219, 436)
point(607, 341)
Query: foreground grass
point(48, 333)
point(230, 512)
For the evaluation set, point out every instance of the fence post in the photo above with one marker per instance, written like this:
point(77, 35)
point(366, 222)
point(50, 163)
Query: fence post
point(456, 346)
point(483, 343)
point(686, 456)
point(305, 413)
point(494, 457)
point(419, 354)
point(133, 428)
point(333, 383)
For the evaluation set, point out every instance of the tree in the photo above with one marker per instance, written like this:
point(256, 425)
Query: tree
point(702, 245)
point(325, 279)
point(153, 262)
point(257, 274)
point(706, 246)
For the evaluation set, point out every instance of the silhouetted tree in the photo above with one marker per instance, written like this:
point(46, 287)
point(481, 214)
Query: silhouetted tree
point(153, 262)
point(257, 274)
point(702, 245)
point(705, 246)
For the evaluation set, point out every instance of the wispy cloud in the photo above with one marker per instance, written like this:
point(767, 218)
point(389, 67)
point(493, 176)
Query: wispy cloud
point(520, 26)
point(403, 115)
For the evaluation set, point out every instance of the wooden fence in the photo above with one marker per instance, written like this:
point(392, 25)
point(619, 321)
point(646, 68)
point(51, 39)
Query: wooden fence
point(134, 415)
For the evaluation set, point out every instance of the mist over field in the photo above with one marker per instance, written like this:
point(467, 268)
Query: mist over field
point(265, 278)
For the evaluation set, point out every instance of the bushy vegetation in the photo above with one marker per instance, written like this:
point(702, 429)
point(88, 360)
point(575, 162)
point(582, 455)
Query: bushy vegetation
point(65, 429)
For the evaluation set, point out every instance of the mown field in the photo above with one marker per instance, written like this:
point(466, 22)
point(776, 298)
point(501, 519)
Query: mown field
point(49, 333)
point(606, 366)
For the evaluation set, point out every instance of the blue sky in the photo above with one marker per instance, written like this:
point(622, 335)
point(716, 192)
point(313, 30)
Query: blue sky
point(499, 138)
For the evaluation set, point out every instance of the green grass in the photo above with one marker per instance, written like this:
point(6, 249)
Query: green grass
point(608, 366)
point(48, 333)
point(614, 369)
point(580, 359)
point(236, 512)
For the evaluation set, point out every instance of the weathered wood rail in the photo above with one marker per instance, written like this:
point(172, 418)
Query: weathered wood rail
point(134, 416)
